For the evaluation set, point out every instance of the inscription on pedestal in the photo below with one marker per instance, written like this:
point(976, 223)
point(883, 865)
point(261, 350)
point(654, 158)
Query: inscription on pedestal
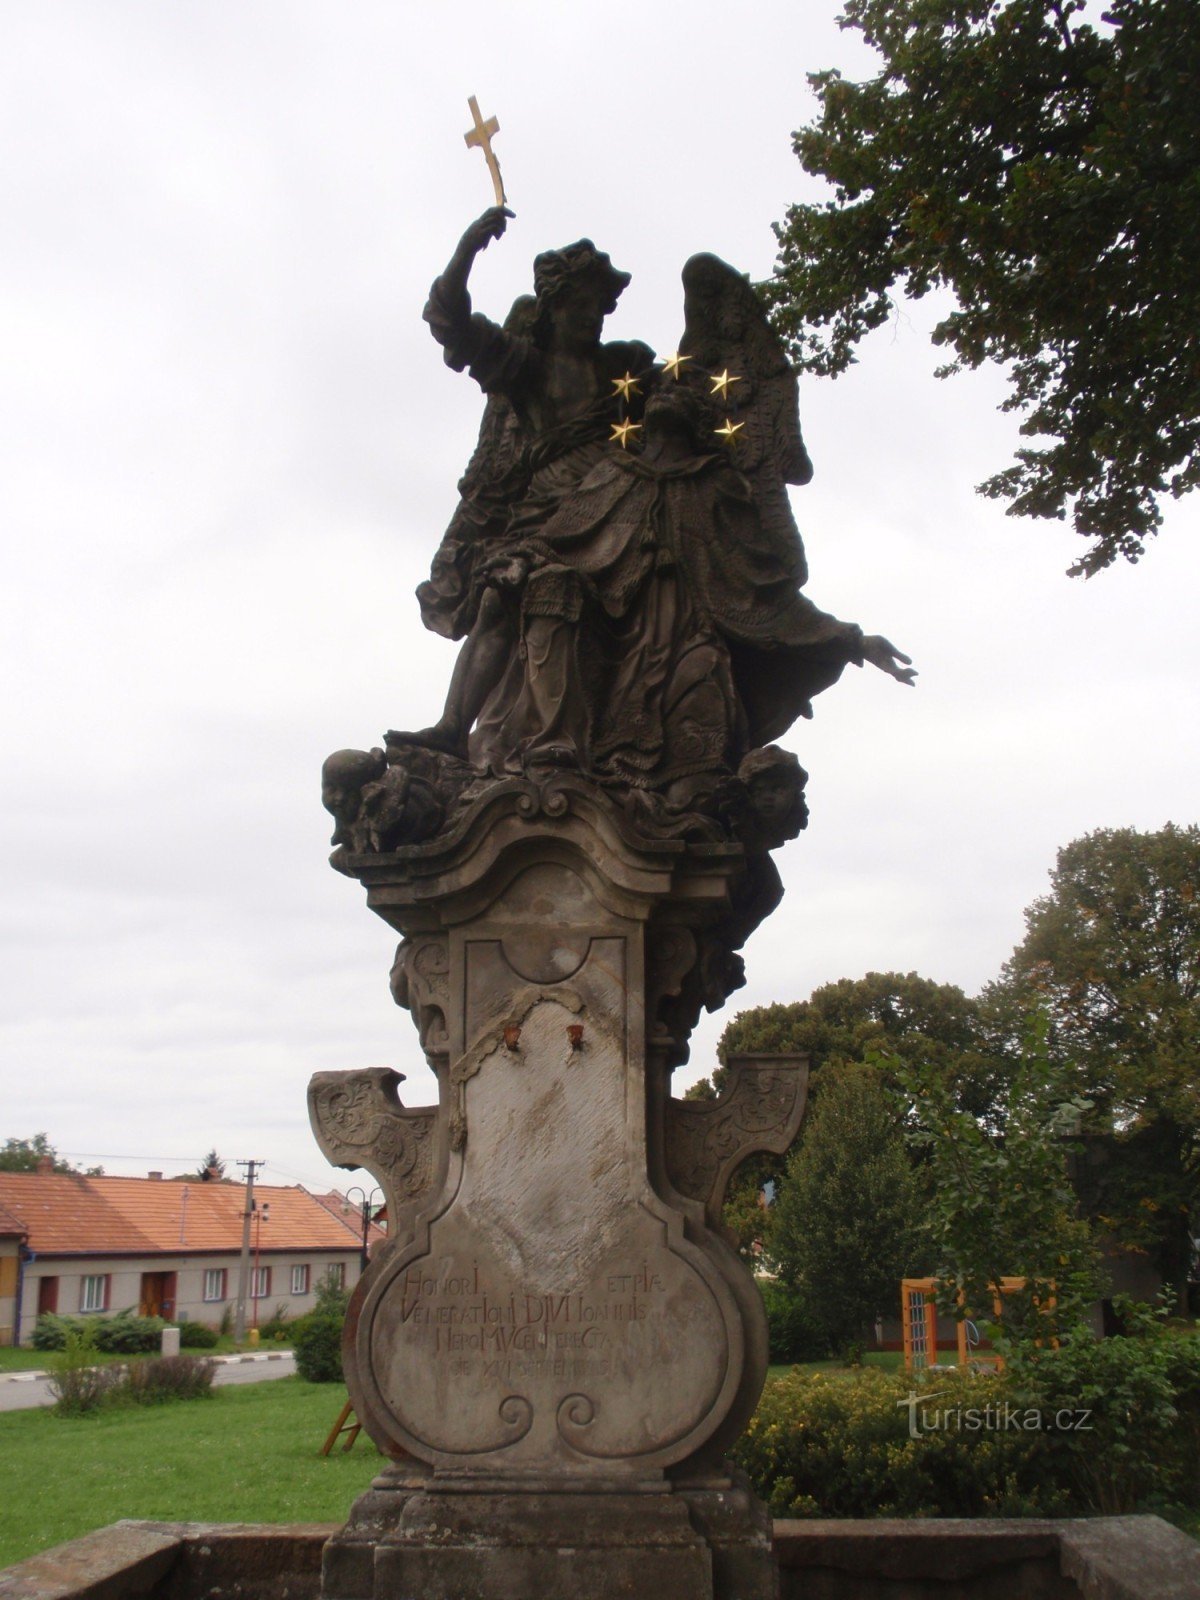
point(576, 1335)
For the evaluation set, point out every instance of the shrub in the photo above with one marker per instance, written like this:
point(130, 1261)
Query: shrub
point(277, 1326)
point(197, 1336)
point(796, 1332)
point(1093, 1426)
point(127, 1334)
point(330, 1299)
point(839, 1445)
point(77, 1384)
point(123, 1334)
point(50, 1331)
point(317, 1342)
point(1141, 1444)
point(168, 1378)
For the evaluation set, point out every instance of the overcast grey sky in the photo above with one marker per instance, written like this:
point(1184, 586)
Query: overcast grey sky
point(228, 449)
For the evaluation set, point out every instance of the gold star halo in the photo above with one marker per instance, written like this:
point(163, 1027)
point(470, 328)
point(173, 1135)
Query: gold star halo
point(621, 431)
point(730, 431)
point(673, 363)
point(626, 386)
point(722, 380)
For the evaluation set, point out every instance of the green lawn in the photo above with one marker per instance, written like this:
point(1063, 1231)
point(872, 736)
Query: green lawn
point(14, 1360)
point(248, 1454)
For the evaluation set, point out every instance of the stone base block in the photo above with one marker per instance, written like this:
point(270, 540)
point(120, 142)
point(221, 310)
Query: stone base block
point(415, 1535)
point(737, 1528)
point(348, 1561)
point(522, 1544)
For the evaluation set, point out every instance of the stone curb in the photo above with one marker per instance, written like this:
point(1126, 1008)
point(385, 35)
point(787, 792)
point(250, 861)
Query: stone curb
point(222, 1361)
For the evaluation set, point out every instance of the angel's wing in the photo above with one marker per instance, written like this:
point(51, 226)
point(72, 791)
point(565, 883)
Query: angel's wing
point(494, 481)
point(726, 330)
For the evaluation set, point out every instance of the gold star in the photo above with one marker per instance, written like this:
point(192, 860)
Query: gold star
point(730, 431)
point(720, 384)
point(621, 432)
point(673, 364)
point(626, 386)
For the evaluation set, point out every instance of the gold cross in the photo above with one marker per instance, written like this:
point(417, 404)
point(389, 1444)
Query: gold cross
point(482, 135)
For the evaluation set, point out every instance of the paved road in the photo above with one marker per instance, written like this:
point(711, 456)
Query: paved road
point(23, 1391)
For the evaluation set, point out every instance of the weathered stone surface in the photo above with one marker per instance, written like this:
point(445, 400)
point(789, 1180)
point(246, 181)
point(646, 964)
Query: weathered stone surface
point(707, 1140)
point(1096, 1558)
point(1118, 1558)
point(550, 1311)
point(737, 1530)
point(551, 1303)
point(514, 1544)
point(358, 1120)
point(348, 1563)
point(1101, 1558)
point(124, 1560)
point(935, 1559)
point(176, 1561)
point(245, 1561)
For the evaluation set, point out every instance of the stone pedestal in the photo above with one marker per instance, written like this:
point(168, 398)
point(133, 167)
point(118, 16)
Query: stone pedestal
point(556, 1343)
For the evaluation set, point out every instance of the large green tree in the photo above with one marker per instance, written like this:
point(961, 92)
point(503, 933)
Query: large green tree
point(1113, 955)
point(24, 1155)
point(1000, 1202)
point(899, 1014)
point(848, 1218)
point(1043, 164)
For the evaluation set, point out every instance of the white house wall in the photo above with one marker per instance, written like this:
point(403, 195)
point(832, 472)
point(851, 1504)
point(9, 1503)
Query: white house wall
point(125, 1283)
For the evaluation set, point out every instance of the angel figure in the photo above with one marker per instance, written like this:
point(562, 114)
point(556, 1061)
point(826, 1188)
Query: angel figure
point(553, 396)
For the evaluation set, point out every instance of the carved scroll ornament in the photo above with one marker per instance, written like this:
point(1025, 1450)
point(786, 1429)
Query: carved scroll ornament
point(707, 1140)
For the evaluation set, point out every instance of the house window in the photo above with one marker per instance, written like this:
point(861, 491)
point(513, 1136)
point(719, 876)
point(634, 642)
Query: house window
point(300, 1280)
point(336, 1275)
point(260, 1283)
point(93, 1292)
point(214, 1283)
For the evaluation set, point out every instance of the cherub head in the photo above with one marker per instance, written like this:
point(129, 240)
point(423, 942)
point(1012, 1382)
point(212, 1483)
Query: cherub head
point(343, 777)
point(775, 782)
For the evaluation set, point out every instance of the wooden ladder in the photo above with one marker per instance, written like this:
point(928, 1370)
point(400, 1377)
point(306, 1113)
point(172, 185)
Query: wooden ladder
point(343, 1425)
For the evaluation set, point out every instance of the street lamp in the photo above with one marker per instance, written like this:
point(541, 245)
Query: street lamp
point(368, 1203)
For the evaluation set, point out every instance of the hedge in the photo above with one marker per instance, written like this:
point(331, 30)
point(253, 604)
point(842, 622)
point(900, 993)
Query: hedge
point(1096, 1426)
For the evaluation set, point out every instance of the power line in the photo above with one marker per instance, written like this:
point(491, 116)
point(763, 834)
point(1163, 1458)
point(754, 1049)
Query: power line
point(109, 1155)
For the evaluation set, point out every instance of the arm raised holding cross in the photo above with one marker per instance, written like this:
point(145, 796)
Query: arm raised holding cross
point(479, 235)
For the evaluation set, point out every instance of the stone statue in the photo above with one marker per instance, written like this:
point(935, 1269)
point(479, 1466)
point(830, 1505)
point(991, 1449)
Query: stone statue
point(557, 1344)
point(634, 613)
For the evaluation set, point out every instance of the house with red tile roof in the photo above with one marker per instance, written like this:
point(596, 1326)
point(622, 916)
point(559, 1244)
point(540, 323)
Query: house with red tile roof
point(166, 1248)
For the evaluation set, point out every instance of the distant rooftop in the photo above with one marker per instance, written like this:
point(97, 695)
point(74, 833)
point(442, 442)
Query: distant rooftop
point(68, 1214)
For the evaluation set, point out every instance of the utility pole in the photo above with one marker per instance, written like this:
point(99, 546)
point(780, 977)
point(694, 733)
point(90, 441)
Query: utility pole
point(239, 1323)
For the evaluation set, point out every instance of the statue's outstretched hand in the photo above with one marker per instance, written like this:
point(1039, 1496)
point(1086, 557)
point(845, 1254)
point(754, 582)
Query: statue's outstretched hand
point(884, 655)
point(485, 228)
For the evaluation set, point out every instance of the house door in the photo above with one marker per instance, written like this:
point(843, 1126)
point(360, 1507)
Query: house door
point(47, 1295)
point(158, 1295)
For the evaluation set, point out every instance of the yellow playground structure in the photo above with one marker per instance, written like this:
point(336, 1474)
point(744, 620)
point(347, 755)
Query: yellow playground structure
point(919, 1316)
